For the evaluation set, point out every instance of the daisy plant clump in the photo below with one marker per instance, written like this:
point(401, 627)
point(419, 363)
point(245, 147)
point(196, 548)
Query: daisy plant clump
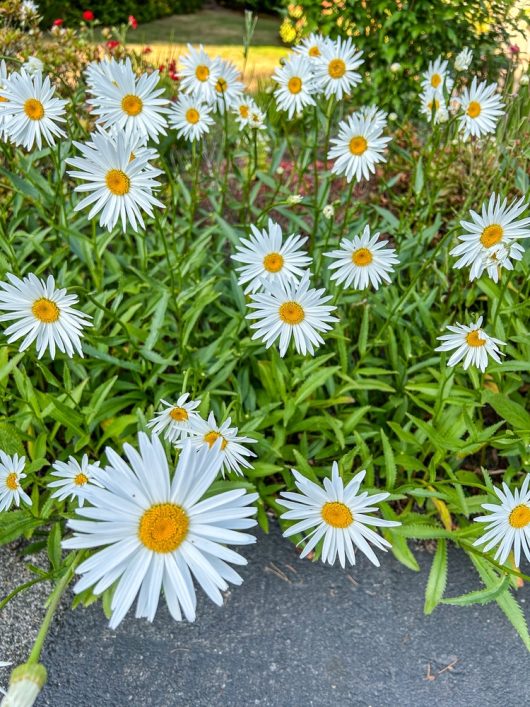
point(228, 302)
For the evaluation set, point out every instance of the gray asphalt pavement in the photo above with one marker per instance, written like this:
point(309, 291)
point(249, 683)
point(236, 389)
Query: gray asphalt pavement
point(296, 634)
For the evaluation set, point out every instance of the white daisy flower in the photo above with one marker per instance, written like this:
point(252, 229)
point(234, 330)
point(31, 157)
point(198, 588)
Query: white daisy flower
point(363, 261)
point(74, 480)
point(508, 524)
point(472, 344)
point(242, 110)
point(373, 114)
point(266, 257)
point(33, 65)
point(358, 148)
point(490, 236)
point(463, 59)
point(199, 74)
point(434, 107)
point(175, 419)
point(296, 85)
point(133, 104)
point(103, 71)
point(43, 314)
point(3, 116)
point(335, 69)
point(228, 87)
point(482, 107)
point(32, 110)
point(256, 119)
point(118, 186)
point(205, 433)
point(28, 10)
point(157, 533)
point(191, 117)
point(311, 46)
point(11, 472)
point(291, 309)
point(337, 514)
point(437, 77)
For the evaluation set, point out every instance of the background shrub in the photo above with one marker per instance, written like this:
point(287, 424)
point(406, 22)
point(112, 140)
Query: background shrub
point(110, 13)
point(410, 33)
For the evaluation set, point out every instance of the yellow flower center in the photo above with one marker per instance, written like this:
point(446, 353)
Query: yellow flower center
point(358, 145)
point(192, 116)
point(291, 313)
point(273, 262)
point(132, 105)
point(294, 84)
point(473, 338)
point(362, 257)
point(436, 80)
point(34, 109)
point(243, 111)
point(474, 109)
point(211, 438)
point(12, 481)
point(519, 517)
point(436, 104)
point(45, 310)
point(336, 68)
point(3, 99)
point(336, 514)
point(314, 51)
point(80, 479)
point(202, 72)
point(163, 527)
point(178, 414)
point(221, 85)
point(491, 235)
point(117, 182)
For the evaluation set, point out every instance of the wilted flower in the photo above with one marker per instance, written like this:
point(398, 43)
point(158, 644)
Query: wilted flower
point(464, 59)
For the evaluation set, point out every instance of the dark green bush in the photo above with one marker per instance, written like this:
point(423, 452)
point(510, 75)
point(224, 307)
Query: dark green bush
point(111, 13)
point(410, 33)
point(268, 6)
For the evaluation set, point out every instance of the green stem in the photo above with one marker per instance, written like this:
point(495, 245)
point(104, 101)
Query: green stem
point(53, 603)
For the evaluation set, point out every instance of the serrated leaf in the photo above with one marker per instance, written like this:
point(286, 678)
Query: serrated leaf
point(437, 578)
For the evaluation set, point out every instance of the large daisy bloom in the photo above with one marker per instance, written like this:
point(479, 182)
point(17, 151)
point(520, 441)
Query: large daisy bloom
point(118, 186)
point(30, 110)
point(175, 419)
point(508, 524)
point(481, 107)
point(11, 472)
point(266, 257)
point(199, 74)
point(295, 85)
point(362, 261)
point(337, 514)
point(312, 45)
point(205, 433)
point(437, 77)
point(158, 534)
point(472, 344)
point(73, 479)
point(132, 104)
point(291, 310)
point(242, 110)
point(335, 70)
point(228, 87)
point(191, 117)
point(43, 314)
point(490, 236)
point(358, 148)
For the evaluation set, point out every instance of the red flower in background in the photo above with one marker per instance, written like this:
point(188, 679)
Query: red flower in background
point(133, 22)
point(88, 16)
point(147, 50)
point(112, 44)
point(58, 22)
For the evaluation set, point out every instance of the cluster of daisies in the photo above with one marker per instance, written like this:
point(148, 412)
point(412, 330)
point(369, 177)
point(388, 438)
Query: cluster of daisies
point(478, 107)
point(285, 306)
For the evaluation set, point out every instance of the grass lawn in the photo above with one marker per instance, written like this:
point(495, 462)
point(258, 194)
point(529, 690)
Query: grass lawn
point(221, 32)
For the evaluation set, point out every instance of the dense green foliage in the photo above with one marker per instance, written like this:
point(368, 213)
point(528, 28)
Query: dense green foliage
point(409, 33)
point(111, 13)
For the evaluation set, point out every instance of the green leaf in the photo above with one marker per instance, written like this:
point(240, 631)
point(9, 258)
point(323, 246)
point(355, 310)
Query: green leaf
point(508, 409)
point(481, 596)
point(390, 464)
point(437, 578)
point(418, 178)
point(13, 524)
point(10, 442)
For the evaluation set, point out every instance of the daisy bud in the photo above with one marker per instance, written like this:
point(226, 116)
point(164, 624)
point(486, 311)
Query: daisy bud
point(463, 60)
point(328, 211)
point(395, 67)
point(25, 684)
point(524, 80)
point(294, 199)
